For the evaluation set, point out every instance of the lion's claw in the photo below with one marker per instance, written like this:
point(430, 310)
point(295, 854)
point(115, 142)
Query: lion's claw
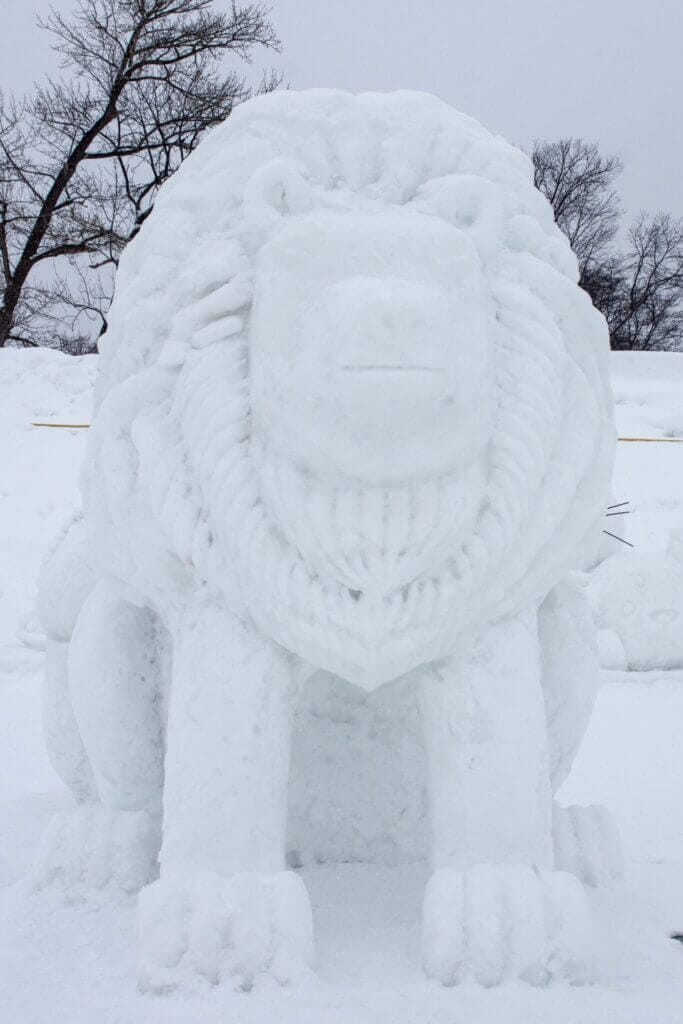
point(93, 848)
point(492, 923)
point(209, 928)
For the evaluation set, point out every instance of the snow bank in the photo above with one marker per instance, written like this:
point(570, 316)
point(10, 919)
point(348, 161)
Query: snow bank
point(637, 593)
point(648, 396)
point(40, 469)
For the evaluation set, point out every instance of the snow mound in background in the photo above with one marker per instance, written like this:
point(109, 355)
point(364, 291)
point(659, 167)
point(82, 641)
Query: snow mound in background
point(648, 390)
point(638, 597)
point(40, 469)
point(637, 594)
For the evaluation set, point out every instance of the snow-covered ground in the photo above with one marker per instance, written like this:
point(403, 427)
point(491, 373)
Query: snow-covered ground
point(648, 395)
point(38, 492)
point(76, 963)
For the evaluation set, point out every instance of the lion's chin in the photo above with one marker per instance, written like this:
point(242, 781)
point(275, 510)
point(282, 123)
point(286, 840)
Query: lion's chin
point(377, 668)
point(379, 671)
point(371, 678)
point(371, 669)
point(372, 647)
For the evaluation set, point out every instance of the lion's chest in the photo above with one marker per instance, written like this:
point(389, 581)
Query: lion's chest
point(359, 580)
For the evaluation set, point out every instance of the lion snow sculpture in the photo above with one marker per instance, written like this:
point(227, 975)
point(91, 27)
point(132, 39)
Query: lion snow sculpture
point(353, 416)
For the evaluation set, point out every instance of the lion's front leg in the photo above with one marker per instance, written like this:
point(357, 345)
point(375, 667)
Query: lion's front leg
point(224, 906)
point(493, 907)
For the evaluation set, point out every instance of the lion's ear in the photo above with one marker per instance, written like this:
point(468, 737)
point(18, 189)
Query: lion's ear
point(275, 191)
point(470, 203)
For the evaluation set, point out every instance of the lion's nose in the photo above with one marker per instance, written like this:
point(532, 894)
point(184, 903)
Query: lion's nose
point(387, 326)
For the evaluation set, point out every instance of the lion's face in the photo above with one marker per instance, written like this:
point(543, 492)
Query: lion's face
point(370, 345)
point(372, 408)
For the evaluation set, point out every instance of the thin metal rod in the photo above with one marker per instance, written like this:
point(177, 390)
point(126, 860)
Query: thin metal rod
point(618, 538)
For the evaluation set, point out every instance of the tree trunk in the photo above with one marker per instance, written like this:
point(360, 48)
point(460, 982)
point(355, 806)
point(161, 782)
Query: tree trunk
point(6, 321)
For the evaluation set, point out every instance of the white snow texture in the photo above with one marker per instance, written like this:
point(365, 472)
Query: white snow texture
point(638, 604)
point(353, 432)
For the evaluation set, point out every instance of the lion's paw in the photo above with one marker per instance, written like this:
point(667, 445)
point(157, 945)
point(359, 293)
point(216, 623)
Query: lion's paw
point(493, 923)
point(209, 928)
point(92, 848)
point(587, 843)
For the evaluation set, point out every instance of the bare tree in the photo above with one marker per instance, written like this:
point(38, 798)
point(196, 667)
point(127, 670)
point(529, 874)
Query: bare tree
point(579, 183)
point(639, 290)
point(82, 159)
point(647, 311)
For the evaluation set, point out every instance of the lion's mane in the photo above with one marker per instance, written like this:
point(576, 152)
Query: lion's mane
point(172, 498)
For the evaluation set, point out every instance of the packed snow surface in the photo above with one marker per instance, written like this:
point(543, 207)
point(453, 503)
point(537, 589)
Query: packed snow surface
point(637, 594)
point(78, 960)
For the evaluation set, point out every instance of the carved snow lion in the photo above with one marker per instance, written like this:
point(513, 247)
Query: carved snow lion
point(353, 415)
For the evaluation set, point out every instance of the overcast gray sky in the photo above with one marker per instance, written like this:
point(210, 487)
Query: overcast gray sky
point(608, 70)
